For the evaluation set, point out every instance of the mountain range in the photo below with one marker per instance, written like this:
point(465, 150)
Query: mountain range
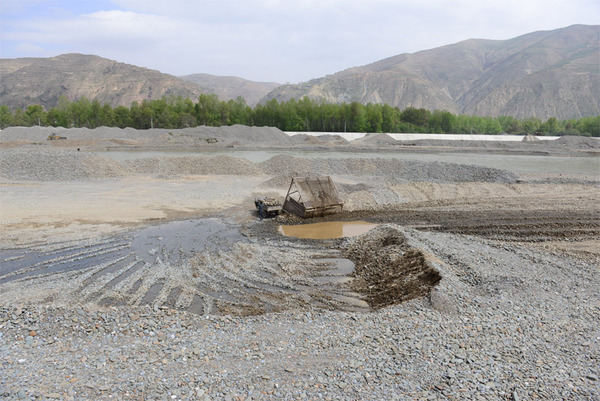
point(542, 74)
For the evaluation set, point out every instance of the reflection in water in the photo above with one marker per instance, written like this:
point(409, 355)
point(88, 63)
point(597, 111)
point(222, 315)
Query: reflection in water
point(328, 230)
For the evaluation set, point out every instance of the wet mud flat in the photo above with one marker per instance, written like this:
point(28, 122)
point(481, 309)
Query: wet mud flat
point(208, 266)
point(201, 266)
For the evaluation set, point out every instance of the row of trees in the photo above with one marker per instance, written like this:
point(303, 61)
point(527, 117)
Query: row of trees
point(292, 115)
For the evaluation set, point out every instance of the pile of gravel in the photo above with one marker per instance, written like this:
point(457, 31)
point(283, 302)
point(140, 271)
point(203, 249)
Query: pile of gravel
point(62, 165)
point(327, 139)
point(239, 133)
point(580, 142)
point(192, 165)
point(56, 165)
point(375, 139)
point(401, 170)
point(40, 134)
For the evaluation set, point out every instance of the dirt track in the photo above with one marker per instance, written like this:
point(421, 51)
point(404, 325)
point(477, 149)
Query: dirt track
point(471, 269)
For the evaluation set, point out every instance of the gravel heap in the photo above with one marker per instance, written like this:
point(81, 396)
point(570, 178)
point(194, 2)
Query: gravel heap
point(400, 170)
point(232, 133)
point(62, 165)
point(326, 139)
point(376, 139)
point(192, 165)
point(56, 165)
point(528, 330)
point(562, 144)
point(580, 142)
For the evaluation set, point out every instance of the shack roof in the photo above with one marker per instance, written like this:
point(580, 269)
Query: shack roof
point(316, 192)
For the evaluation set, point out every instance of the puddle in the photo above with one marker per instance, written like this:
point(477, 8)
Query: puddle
point(327, 230)
point(170, 242)
point(353, 300)
point(340, 272)
point(343, 267)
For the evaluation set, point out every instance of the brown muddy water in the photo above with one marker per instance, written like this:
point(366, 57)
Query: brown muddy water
point(327, 230)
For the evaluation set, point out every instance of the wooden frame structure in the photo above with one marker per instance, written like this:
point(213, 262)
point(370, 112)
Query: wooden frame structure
point(312, 197)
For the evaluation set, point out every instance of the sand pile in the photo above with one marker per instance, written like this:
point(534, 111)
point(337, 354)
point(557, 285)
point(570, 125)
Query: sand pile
point(530, 138)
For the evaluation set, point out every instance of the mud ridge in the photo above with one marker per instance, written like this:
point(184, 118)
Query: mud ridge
point(389, 270)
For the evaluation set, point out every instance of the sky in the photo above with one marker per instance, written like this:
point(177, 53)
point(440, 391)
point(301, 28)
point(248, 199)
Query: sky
point(283, 41)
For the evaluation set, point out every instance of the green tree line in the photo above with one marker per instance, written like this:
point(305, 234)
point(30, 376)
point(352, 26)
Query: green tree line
point(292, 115)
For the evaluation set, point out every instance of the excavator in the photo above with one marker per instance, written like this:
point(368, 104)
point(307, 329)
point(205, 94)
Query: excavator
point(54, 137)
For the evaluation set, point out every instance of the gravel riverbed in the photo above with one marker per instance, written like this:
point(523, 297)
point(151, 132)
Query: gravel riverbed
point(504, 323)
point(153, 279)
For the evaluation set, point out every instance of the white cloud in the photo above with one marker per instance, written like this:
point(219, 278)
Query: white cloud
point(279, 40)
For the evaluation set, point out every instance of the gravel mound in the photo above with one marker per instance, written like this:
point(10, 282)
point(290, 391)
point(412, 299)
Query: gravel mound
point(375, 139)
point(192, 165)
point(62, 165)
point(579, 142)
point(316, 140)
point(240, 133)
point(42, 165)
point(401, 170)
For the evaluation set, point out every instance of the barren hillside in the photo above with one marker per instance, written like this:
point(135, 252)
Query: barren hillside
point(542, 74)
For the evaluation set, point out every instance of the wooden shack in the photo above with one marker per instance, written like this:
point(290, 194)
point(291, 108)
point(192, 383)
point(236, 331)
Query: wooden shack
point(312, 197)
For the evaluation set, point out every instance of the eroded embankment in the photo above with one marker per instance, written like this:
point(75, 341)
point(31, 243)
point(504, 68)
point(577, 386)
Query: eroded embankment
point(388, 270)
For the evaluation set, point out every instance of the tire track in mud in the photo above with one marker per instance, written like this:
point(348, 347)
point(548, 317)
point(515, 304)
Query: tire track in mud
point(490, 221)
point(202, 266)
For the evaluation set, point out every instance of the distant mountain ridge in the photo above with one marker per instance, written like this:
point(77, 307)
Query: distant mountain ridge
point(26, 81)
point(542, 74)
point(227, 88)
point(42, 81)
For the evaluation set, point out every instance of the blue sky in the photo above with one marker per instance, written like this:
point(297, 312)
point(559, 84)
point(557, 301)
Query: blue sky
point(268, 40)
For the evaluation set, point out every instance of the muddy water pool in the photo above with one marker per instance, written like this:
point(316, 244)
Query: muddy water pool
point(201, 265)
point(169, 242)
point(327, 230)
